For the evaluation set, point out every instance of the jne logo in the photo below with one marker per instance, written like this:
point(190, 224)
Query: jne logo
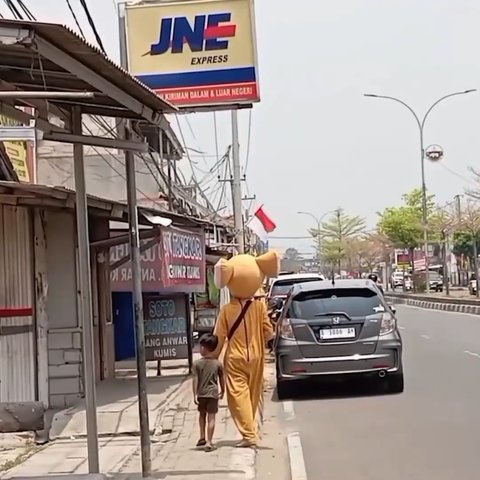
point(208, 33)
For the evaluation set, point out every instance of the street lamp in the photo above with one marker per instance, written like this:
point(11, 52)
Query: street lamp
point(318, 221)
point(421, 125)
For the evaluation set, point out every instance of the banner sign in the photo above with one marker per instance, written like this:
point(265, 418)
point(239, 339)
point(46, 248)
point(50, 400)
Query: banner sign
point(175, 263)
point(166, 326)
point(20, 153)
point(194, 53)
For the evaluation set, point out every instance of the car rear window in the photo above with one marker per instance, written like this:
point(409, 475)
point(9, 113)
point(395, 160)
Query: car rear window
point(355, 302)
point(282, 287)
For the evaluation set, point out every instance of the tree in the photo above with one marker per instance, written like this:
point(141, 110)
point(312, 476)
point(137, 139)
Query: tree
point(292, 254)
point(335, 233)
point(401, 226)
point(414, 200)
point(470, 224)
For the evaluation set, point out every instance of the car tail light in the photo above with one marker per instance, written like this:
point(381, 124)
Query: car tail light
point(286, 330)
point(388, 323)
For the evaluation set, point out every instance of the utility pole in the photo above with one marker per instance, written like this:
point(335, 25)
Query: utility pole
point(237, 185)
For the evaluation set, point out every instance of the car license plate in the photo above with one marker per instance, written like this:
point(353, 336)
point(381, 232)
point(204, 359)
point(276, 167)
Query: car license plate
point(332, 333)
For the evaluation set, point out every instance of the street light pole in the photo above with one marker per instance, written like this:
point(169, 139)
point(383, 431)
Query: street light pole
point(421, 126)
point(318, 221)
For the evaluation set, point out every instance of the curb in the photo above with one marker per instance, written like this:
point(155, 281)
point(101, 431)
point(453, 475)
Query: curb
point(431, 305)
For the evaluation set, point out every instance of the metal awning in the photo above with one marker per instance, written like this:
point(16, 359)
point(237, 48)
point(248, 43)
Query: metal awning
point(41, 56)
point(42, 196)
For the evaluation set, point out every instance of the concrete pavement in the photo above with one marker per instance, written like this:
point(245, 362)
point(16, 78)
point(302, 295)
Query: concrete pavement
point(430, 431)
point(174, 456)
point(117, 405)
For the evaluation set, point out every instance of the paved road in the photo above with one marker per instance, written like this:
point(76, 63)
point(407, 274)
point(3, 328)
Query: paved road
point(430, 432)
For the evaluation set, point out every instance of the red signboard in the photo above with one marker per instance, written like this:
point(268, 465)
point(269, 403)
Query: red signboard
point(175, 263)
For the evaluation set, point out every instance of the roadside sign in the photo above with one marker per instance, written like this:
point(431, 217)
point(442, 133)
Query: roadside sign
point(167, 327)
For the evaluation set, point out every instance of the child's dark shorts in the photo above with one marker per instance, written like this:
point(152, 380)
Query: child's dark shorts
point(207, 405)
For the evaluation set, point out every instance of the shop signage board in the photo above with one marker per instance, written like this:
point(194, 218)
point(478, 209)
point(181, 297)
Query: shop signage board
point(20, 153)
point(167, 326)
point(194, 53)
point(175, 263)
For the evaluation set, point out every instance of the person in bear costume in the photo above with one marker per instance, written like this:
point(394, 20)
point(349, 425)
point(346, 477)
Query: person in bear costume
point(244, 325)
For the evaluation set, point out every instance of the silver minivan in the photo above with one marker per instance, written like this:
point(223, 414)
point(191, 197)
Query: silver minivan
point(336, 329)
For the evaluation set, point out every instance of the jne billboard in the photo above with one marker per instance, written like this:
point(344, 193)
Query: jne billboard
point(194, 53)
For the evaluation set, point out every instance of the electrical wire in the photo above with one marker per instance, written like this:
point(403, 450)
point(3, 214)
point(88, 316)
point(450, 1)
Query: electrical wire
point(25, 9)
point(13, 9)
point(83, 3)
point(72, 11)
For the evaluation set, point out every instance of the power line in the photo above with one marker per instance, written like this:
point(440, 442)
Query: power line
point(25, 9)
point(83, 3)
point(13, 9)
point(75, 18)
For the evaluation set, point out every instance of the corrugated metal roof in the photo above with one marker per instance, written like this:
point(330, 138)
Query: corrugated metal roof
point(89, 55)
point(44, 195)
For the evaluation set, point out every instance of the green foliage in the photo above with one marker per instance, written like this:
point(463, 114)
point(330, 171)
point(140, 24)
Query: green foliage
point(414, 200)
point(401, 226)
point(336, 233)
point(463, 244)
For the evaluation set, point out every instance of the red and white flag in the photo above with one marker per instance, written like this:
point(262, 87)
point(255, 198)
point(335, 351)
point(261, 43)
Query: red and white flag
point(261, 224)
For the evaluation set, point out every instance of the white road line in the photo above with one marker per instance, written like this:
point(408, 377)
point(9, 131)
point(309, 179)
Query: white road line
point(295, 453)
point(472, 353)
point(401, 328)
point(426, 337)
point(289, 410)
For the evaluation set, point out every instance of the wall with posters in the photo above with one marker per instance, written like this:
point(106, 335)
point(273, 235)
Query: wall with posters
point(194, 53)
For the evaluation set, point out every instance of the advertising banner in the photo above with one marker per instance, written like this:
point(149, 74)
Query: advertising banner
point(167, 330)
point(20, 153)
point(175, 262)
point(194, 53)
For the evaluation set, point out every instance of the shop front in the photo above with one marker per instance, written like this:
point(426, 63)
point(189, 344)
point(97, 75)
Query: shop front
point(173, 270)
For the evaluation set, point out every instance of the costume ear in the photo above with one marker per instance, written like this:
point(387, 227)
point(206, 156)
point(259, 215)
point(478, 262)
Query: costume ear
point(222, 273)
point(269, 263)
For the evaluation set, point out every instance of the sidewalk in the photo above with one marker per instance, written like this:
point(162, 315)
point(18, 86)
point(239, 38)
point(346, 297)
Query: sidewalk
point(175, 457)
point(117, 402)
point(173, 452)
point(118, 426)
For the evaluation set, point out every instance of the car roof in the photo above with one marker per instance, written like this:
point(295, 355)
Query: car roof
point(328, 285)
point(296, 276)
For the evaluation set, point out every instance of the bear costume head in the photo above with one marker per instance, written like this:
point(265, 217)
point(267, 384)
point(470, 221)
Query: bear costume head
point(244, 274)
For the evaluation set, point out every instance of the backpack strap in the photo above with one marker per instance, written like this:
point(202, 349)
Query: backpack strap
point(239, 319)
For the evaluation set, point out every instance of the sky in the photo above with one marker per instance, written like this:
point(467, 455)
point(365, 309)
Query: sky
point(316, 142)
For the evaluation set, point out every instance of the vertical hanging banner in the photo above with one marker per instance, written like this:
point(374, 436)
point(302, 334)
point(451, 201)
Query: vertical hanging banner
point(194, 53)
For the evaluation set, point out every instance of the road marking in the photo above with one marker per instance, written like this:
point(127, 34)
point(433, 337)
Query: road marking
point(289, 410)
point(472, 353)
point(295, 453)
point(426, 337)
point(401, 328)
